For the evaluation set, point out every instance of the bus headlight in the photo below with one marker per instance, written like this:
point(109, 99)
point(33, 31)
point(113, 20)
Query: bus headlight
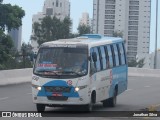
point(80, 88)
point(77, 89)
point(37, 87)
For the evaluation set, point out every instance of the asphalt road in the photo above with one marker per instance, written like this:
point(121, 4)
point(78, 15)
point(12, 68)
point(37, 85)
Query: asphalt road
point(142, 93)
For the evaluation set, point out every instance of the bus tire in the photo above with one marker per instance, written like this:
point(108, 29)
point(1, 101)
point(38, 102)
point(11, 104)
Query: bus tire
point(89, 107)
point(40, 107)
point(111, 102)
point(106, 103)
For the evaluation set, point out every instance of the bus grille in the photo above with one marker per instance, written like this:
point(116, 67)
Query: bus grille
point(57, 89)
point(57, 98)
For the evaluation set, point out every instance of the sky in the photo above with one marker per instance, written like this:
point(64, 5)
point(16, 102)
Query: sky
point(77, 8)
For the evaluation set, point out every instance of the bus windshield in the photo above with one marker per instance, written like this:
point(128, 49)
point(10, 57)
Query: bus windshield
point(61, 61)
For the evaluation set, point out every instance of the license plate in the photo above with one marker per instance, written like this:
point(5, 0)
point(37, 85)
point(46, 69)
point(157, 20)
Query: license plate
point(57, 94)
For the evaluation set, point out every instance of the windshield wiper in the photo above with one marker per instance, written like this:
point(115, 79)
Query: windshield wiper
point(51, 71)
point(72, 72)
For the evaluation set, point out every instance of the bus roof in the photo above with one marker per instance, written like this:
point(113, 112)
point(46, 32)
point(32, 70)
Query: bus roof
point(87, 39)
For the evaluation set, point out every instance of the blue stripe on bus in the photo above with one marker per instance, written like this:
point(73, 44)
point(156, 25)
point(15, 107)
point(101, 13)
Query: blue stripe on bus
point(58, 83)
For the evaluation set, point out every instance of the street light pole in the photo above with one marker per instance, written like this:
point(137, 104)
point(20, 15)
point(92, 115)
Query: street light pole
point(155, 58)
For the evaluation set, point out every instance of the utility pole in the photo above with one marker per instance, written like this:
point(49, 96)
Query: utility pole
point(155, 58)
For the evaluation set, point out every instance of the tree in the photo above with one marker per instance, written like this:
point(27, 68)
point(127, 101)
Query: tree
point(65, 24)
point(10, 18)
point(134, 63)
point(141, 63)
point(6, 45)
point(84, 29)
point(73, 35)
point(118, 34)
point(50, 29)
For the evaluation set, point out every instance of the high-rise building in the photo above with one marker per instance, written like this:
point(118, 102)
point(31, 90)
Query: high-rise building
point(58, 8)
point(85, 19)
point(129, 17)
point(16, 35)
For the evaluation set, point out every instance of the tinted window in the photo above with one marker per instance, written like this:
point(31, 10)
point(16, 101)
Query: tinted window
point(109, 57)
point(103, 57)
point(119, 54)
point(122, 54)
point(113, 55)
point(98, 67)
point(116, 54)
point(100, 58)
point(91, 51)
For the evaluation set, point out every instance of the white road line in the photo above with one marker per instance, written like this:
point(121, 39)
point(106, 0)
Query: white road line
point(29, 93)
point(147, 86)
point(4, 98)
point(129, 89)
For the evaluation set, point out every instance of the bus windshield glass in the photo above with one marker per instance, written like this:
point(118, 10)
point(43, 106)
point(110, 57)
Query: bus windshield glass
point(61, 61)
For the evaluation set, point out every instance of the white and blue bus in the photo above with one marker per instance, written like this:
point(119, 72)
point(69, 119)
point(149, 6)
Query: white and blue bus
point(80, 71)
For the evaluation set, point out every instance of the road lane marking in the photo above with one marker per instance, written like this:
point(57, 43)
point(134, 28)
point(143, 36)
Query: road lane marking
point(4, 98)
point(147, 86)
point(29, 93)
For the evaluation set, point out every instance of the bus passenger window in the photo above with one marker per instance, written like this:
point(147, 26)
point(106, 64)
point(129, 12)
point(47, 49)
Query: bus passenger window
point(119, 54)
point(122, 55)
point(92, 64)
point(125, 58)
point(100, 58)
point(98, 67)
point(109, 56)
point(116, 54)
point(103, 57)
point(113, 55)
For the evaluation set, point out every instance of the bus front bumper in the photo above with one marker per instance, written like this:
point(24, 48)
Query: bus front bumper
point(69, 101)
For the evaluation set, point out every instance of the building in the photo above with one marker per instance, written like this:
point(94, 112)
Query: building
point(16, 35)
point(58, 8)
point(130, 17)
point(150, 60)
point(85, 19)
point(158, 59)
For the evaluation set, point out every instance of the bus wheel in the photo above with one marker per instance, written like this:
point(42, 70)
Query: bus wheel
point(106, 103)
point(40, 107)
point(89, 107)
point(111, 102)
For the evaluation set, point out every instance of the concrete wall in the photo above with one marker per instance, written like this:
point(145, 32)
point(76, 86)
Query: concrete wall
point(25, 75)
point(143, 72)
point(15, 76)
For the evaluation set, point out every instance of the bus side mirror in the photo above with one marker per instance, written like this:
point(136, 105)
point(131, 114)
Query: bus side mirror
point(94, 56)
